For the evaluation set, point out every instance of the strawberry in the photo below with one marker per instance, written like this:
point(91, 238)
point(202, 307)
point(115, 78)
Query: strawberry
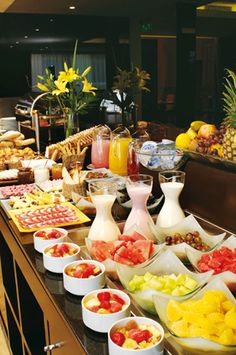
point(105, 305)
point(139, 335)
point(118, 338)
point(115, 307)
point(104, 296)
point(117, 298)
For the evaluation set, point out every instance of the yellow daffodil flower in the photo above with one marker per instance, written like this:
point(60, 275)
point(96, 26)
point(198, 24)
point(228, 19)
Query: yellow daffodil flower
point(42, 87)
point(61, 88)
point(88, 87)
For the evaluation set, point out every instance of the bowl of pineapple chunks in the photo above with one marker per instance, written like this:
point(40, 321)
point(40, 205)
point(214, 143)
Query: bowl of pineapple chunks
point(205, 322)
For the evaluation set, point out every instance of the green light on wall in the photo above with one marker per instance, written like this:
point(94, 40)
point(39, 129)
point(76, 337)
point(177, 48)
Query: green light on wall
point(146, 27)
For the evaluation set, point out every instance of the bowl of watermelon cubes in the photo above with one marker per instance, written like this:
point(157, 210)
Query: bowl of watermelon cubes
point(101, 308)
point(165, 274)
point(58, 255)
point(204, 323)
point(83, 276)
point(129, 250)
point(48, 236)
point(221, 260)
point(137, 334)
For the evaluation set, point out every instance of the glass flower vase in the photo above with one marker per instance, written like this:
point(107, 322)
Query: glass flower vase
point(71, 124)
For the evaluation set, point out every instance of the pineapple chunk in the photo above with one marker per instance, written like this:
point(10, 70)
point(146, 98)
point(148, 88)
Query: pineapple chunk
point(190, 317)
point(130, 344)
point(180, 328)
point(195, 331)
point(227, 306)
point(215, 317)
point(174, 311)
point(230, 319)
point(227, 337)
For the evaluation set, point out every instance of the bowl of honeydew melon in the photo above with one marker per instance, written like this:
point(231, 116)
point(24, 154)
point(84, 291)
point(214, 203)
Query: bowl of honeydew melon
point(165, 274)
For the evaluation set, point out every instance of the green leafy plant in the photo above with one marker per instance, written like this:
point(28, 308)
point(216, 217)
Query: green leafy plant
point(128, 84)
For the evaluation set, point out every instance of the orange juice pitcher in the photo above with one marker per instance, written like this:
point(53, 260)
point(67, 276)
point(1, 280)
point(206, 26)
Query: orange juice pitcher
point(120, 139)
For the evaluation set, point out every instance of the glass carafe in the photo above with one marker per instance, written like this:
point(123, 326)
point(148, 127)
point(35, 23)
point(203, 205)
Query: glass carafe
point(138, 138)
point(172, 183)
point(120, 139)
point(100, 147)
point(139, 188)
point(104, 227)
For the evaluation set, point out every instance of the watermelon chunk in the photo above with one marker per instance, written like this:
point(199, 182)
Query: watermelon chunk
point(145, 246)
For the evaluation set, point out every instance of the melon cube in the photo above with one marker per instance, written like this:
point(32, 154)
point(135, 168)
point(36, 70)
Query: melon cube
point(180, 280)
point(148, 276)
point(190, 283)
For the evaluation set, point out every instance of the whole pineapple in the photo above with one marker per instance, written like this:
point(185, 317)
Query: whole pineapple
point(229, 98)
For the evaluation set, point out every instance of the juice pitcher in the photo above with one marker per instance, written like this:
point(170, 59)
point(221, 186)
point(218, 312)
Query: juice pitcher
point(100, 147)
point(120, 139)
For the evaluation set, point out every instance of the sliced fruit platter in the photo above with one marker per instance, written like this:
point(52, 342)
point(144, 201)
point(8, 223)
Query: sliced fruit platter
point(34, 218)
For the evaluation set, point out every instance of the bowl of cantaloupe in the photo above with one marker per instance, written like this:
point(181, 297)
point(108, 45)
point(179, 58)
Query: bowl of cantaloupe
point(205, 322)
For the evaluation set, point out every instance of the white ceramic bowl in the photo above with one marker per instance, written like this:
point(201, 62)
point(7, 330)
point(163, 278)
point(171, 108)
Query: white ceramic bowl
point(198, 345)
point(102, 322)
point(165, 263)
point(57, 264)
point(156, 349)
point(40, 244)
point(81, 287)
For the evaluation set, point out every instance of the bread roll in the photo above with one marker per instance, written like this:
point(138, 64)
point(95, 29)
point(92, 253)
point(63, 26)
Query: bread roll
point(6, 144)
point(9, 135)
point(25, 142)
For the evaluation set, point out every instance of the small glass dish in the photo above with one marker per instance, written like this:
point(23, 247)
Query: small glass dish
point(187, 225)
point(165, 263)
point(227, 276)
point(198, 344)
point(158, 156)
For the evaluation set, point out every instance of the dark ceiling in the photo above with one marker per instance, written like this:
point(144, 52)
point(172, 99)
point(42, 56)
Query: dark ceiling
point(100, 7)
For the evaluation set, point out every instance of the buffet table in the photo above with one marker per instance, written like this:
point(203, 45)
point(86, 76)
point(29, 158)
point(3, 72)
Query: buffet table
point(38, 312)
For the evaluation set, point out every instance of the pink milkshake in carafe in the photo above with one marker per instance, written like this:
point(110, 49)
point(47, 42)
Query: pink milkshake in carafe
point(139, 188)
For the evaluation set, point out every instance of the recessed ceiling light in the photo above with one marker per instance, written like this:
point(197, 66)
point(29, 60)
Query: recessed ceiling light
point(72, 7)
point(36, 29)
point(25, 36)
